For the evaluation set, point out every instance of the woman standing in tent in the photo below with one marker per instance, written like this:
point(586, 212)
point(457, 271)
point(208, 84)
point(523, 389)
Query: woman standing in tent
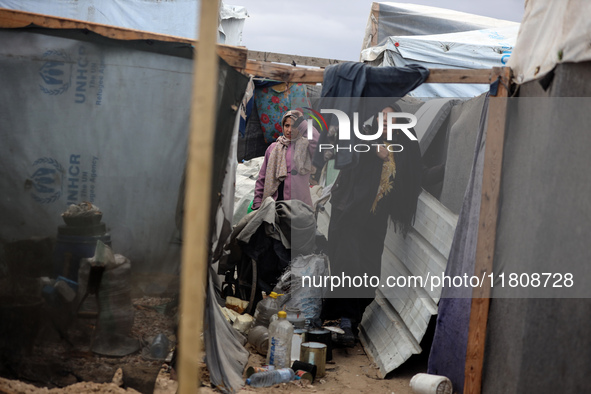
point(285, 173)
point(384, 184)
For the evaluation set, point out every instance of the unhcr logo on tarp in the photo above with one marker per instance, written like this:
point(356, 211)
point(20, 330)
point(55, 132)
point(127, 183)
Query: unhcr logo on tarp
point(56, 73)
point(46, 181)
point(82, 75)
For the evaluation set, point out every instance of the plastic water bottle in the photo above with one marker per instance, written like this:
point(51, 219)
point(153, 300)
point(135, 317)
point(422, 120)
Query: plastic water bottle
point(265, 309)
point(271, 378)
point(280, 337)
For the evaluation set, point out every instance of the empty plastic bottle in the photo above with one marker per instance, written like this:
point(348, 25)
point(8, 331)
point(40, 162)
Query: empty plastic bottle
point(280, 337)
point(265, 309)
point(271, 378)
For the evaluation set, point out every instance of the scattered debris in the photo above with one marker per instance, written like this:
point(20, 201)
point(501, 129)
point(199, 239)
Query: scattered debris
point(118, 378)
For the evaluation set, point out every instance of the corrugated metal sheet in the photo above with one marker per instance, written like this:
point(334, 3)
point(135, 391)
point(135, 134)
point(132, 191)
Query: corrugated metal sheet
point(395, 322)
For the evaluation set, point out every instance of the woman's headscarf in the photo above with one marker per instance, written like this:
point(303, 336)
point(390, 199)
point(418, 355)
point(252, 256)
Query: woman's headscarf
point(294, 114)
point(277, 163)
point(407, 182)
point(359, 185)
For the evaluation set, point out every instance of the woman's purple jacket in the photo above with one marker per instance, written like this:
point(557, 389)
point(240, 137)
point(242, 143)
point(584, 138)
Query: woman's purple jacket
point(296, 187)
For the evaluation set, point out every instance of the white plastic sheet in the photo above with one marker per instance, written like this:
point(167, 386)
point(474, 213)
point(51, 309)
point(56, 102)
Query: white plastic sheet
point(172, 17)
point(401, 19)
point(439, 38)
point(552, 32)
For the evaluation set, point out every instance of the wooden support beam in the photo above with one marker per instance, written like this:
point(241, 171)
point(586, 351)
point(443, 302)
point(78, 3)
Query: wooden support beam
point(197, 200)
point(290, 59)
point(281, 72)
point(487, 231)
point(234, 56)
point(442, 75)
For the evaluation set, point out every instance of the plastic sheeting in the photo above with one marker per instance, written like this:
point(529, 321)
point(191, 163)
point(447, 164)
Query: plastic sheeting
point(543, 345)
point(552, 32)
point(226, 357)
point(247, 174)
point(448, 351)
point(172, 17)
point(397, 19)
point(90, 121)
point(89, 118)
point(439, 38)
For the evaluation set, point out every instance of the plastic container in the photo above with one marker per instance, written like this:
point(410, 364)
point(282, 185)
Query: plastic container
point(271, 378)
point(69, 249)
point(160, 347)
point(296, 343)
point(296, 317)
point(423, 383)
point(258, 337)
point(265, 309)
point(280, 337)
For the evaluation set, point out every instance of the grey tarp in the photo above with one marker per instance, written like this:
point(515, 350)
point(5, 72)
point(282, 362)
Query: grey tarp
point(448, 351)
point(85, 117)
point(544, 345)
point(226, 356)
point(462, 135)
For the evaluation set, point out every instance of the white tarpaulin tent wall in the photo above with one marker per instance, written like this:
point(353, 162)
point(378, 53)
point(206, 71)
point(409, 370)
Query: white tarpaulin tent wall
point(561, 29)
point(171, 17)
point(401, 34)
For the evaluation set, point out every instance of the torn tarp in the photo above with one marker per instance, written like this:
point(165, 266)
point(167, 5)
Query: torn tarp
point(226, 356)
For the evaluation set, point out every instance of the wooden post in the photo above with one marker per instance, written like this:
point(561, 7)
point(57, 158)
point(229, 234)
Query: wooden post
point(197, 200)
point(487, 228)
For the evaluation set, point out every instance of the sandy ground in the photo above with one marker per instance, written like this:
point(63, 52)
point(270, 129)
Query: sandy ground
point(350, 371)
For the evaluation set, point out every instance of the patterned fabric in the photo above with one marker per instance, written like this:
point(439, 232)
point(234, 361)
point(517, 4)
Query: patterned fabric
point(273, 102)
point(386, 180)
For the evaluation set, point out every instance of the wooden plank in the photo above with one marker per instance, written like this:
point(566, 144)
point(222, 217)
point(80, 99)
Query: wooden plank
point(487, 228)
point(290, 59)
point(285, 73)
point(197, 201)
point(234, 56)
point(442, 75)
